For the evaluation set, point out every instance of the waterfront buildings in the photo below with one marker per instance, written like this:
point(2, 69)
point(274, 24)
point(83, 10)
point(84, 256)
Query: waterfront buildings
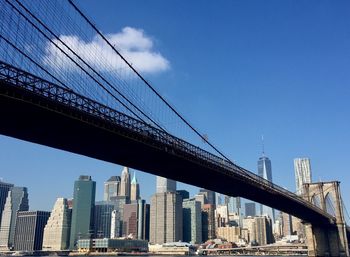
point(4, 189)
point(134, 189)
point(30, 230)
point(250, 209)
point(112, 245)
point(265, 171)
point(111, 188)
point(165, 185)
point(192, 221)
point(57, 229)
point(17, 200)
point(302, 169)
point(83, 210)
point(125, 183)
point(231, 234)
point(102, 219)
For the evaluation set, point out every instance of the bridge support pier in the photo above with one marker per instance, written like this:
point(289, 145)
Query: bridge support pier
point(326, 240)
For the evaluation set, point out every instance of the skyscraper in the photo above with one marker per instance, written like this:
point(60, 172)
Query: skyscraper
point(210, 196)
point(57, 229)
point(102, 219)
point(30, 230)
point(17, 200)
point(250, 209)
point(265, 171)
point(166, 218)
point(117, 220)
point(263, 230)
point(83, 210)
point(302, 169)
point(115, 224)
point(4, 189)
point(192, 221)
point(125, 183)
point(184, 194)
point(165, 185)
point(135, 189)
point(208, 222)
point(111, 188)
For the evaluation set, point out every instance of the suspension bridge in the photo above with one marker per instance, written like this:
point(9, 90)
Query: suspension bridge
point(65, 84)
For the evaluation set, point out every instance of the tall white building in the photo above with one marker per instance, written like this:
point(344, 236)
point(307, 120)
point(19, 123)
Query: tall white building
point(17, 200)
point(165, 185)
point(57, 229)
point(302, 169)
point(125, 183)
point(115, 224)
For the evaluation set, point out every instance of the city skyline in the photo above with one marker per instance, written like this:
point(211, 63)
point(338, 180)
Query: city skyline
point(299, 69)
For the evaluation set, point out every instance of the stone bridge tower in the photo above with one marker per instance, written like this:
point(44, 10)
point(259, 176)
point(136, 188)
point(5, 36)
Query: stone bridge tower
point(328, 240)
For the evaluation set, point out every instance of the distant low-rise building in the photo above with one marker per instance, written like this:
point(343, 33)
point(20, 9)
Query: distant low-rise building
point(112, 245)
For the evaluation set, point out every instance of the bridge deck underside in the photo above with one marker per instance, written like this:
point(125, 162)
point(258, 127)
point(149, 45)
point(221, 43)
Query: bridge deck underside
point(33, 118)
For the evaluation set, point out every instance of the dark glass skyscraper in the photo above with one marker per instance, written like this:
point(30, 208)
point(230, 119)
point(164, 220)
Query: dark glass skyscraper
point(250, 209)
point(83, 210)
point(103, 217)
point(265, 171)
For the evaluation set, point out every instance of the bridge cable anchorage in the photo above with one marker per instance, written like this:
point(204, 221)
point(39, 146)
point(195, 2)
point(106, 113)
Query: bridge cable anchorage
point(148, 84)
point(33, 61)
point(89, 66)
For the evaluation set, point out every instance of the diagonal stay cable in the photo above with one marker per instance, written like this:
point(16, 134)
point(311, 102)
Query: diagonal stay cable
point(33, 61)
point(89, 66)
point(87, 73)
point(147, 83)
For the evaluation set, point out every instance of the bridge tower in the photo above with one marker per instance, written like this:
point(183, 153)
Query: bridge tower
point(326, 240)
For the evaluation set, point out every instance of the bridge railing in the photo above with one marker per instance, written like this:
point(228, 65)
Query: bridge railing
point(19, 78)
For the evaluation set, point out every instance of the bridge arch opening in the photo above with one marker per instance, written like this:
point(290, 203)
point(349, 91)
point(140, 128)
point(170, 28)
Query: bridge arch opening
point(329, 200)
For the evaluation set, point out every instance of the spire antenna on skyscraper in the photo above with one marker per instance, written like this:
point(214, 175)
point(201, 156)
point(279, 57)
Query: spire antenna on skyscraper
point(262, 145)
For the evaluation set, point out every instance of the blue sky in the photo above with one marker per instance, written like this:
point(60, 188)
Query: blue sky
point(236, 70)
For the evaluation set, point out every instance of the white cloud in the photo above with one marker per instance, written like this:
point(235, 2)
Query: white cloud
point(133, 44)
